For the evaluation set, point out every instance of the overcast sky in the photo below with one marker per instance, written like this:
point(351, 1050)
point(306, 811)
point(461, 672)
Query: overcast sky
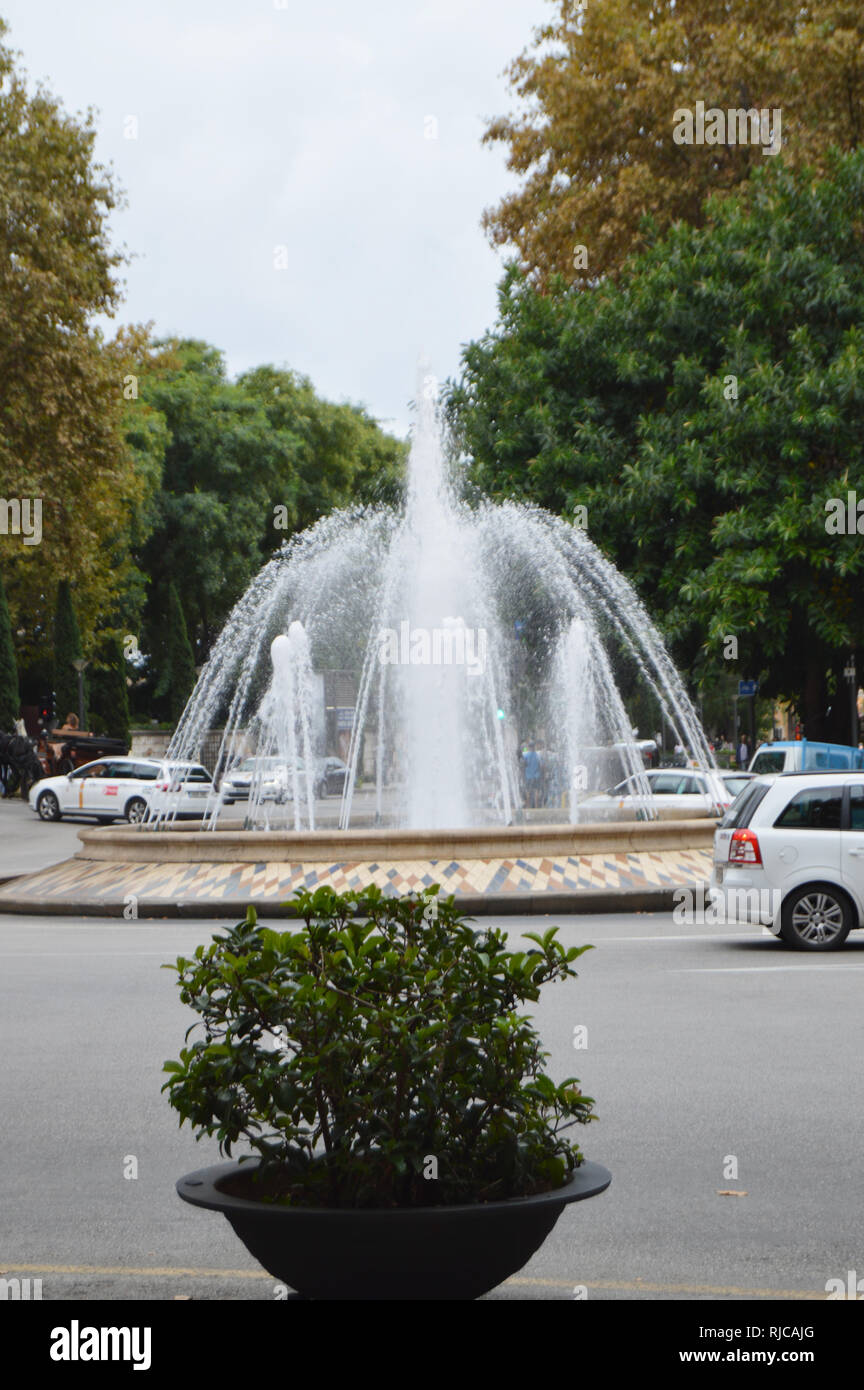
point(265, 124)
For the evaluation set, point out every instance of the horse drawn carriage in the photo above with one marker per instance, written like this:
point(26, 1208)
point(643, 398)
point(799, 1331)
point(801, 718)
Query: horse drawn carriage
point(24, 761)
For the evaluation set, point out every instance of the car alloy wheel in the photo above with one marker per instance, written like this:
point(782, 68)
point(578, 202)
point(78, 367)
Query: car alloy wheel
point(816, 918)
point(136, 810)
point(48, 807)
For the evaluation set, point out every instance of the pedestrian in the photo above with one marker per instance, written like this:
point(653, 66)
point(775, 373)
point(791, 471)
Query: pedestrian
point(531, 772)
point(742, 753)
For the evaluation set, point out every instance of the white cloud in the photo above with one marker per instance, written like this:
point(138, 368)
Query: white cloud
point(260, 127)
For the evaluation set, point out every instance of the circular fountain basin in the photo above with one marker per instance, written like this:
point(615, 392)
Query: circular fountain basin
point(132, 872)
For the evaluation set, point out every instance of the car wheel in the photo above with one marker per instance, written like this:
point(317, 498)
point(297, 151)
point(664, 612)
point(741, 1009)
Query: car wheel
point(48, 806)
point(817, 917)
point(136, 810)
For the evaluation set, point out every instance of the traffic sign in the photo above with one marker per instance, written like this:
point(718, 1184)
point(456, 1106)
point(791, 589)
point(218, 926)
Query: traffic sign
point(748, 687)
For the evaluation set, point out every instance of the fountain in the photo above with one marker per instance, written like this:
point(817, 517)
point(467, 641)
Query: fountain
point(426, 606)
point(432, 639)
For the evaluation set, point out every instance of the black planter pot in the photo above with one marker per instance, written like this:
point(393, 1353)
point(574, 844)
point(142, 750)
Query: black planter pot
point(457, 1252)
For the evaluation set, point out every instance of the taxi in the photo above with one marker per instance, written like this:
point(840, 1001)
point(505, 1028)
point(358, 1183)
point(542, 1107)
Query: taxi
point(124, 788)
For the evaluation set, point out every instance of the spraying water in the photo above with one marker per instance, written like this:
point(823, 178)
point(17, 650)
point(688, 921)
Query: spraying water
point(448, 621)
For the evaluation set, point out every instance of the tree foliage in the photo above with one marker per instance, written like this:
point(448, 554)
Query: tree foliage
point(592, 138)
point(175, 660)
point(61, 390)
point(246, 463)
point(67, 649)
point(704, 409)
point(109, 698)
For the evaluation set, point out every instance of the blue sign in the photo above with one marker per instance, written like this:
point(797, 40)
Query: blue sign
point(748, 687)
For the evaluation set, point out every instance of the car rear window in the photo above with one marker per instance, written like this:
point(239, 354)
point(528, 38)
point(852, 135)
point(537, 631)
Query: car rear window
point(667, 786)
point(816, 808)
point(190, 774)
point(741, 811)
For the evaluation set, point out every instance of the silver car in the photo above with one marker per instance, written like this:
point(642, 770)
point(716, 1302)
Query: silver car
point(676, 794)
point(269, 777)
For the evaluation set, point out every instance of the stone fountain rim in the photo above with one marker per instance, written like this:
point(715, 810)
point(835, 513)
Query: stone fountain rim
point(191, 844)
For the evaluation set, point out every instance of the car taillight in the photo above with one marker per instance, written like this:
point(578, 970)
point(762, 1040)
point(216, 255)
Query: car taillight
point(744, 848)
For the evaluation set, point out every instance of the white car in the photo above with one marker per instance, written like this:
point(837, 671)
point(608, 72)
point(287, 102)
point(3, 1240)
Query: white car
point(677, 793)
point(268, 777)
point(790, 855)
point(113, 788)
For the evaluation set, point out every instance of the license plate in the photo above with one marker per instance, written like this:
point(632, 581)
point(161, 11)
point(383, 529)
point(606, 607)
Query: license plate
point(197, 793)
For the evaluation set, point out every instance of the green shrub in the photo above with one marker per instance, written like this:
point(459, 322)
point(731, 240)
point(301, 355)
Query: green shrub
point(350, 1052)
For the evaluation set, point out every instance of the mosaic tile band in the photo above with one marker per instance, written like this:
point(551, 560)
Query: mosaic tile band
point(88, 881)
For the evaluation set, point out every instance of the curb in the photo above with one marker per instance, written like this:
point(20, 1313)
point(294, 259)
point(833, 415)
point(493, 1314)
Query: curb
point(475, 904)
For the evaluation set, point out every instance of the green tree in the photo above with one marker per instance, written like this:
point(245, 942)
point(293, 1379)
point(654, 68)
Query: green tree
point(67, 648)
point(246, 463)
point(109, 697)
point(62, 400)
point(338, 453)
point(593, 135)
point(9, 699)
point(704, 410)
point(176, 660)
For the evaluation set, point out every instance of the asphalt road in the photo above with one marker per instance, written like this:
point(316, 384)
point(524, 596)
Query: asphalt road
point(701, 1046)
point(28, 844)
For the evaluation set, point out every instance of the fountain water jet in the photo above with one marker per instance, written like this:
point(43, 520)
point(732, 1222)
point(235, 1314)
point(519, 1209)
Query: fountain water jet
point(408, 599)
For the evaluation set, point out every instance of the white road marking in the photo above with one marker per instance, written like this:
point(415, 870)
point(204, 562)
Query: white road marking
point(765, 969)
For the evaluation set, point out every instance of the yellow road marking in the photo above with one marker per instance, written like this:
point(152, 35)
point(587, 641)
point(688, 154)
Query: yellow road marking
point(643, 1286)
point(638, 1286)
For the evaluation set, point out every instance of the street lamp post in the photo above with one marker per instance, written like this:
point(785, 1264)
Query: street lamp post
point(80, 666)
point(850, 674)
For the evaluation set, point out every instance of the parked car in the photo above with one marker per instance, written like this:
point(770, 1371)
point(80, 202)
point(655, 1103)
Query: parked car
point(676, 794)
point(330, 776)
point(789, 854)
point(328, 779)
point(270, 777)
point(735, 782)
point(803, 755)
point(277, 779)
point(113, 788)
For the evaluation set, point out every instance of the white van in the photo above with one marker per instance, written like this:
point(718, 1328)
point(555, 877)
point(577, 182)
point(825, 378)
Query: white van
point(803, 755)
